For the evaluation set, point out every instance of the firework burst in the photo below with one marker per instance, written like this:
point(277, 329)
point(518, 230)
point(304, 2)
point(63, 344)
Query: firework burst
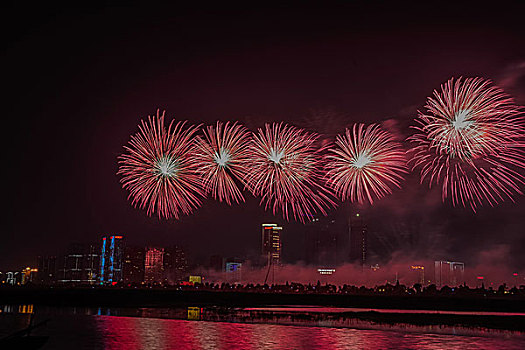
point(471, 141)
point(159, 169)
point(365, 163)
point(284, 170)
point(222, 156)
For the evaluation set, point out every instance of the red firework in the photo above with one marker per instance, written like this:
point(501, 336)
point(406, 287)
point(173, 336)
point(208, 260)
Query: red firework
point(222, 156)
point(365, 163)
point(159, 169)
point(471, 141)
point(284, 171)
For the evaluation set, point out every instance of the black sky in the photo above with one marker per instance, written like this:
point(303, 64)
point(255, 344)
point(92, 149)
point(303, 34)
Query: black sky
point(79, 79)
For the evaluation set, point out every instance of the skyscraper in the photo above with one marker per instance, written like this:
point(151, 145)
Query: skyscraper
point(80, 264)
point(111, 260)
point(449, 273)
point(47, 269)
point(133, 265)
point(358, 239)
point(154, 265)
point(271, 243)
point(175, 264)
point(323, 242)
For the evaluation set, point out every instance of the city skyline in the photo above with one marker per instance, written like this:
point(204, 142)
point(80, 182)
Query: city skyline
point(357, 69)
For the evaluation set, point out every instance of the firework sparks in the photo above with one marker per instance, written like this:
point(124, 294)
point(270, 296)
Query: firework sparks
point(365, 163)
point(285, 171)
point(159, 169)
point(471, 141)
point(222, 156)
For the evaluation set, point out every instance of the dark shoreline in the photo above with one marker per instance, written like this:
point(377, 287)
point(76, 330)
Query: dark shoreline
point(145, 297)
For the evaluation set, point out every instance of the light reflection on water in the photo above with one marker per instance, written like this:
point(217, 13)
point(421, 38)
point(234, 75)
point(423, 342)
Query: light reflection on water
point(100, 328)
point(141, 333)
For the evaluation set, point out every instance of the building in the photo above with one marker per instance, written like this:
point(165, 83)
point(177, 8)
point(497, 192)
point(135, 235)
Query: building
point(271, 244)
point(13, 278)
point(111, 261)
point(233, 270)
point(175, 265)
point(47, 269)
point(358, 239)
point(323, 240)
point(417, 275)
point(133, 265)
point(79, 264)
point(449, 273)
point(91, 264)
point(29, 275)
point(154, 265)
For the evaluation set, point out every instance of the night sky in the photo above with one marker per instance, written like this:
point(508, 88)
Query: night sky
point(78, 80)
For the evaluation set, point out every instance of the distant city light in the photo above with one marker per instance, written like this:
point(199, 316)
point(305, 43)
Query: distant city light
point(326, 271)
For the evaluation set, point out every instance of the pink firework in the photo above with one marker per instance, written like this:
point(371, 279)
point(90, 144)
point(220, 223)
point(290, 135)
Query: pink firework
point(365, 163)
point(284, 170)
point(222, 156)
point(471, 141)
point(159, 169)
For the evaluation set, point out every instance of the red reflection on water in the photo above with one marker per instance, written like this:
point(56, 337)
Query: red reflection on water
point(119, 333)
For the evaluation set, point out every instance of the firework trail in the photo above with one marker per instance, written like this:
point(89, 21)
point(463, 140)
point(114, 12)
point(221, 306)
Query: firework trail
point(365, 163)
point(471, 140)
point(285, 171)
point(222, 155)
point(159, 169)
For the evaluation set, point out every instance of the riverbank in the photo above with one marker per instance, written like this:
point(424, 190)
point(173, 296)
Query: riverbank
point(146, 297)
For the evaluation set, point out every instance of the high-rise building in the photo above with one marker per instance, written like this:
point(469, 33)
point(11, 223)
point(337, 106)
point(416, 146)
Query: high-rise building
point(133, 265)
point(358, 239)
point(79, 264)
point(91, 264)
point(175, 264)
point(154, 265)
point(111, 259)
point(47, 269)
point(417, 275)
point(449, 273)
point(322, 241)
point(271, 244)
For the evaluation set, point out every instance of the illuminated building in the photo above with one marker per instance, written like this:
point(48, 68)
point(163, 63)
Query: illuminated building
point(79, 264)
point(358, 239)
point(133, 265)
point(154, 266)
point(271, 243)
point(175, 264)
point(11, 278)
point(91, 264)
point(28, 275)
point(233, 270)
point(111, 259)
point(47, 269)
point(195, 279)
point(449, 273)
point(326, 271)
point(418, 274)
